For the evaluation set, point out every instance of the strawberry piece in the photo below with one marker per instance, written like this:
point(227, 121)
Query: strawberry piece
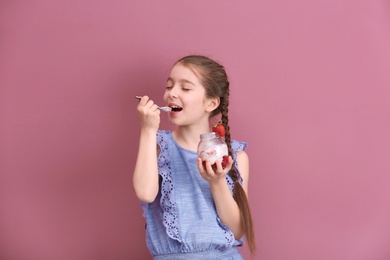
point(214, 166)
point(219, 129)
point(225, 160)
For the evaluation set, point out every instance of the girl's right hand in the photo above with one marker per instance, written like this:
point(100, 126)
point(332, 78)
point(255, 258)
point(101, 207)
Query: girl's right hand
point(148, 113)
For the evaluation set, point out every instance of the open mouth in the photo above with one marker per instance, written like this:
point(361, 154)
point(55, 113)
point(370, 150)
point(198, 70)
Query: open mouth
point(176, 108)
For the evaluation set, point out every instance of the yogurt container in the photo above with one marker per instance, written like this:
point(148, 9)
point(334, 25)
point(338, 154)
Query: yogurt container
point(213, 148)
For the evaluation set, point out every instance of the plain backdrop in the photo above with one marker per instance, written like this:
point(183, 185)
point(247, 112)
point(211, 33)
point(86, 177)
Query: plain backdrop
point(310, 94)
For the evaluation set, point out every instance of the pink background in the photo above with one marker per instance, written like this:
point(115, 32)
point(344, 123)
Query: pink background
point(310, 94)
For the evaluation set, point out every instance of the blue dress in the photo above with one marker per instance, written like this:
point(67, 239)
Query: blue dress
point(182, 222)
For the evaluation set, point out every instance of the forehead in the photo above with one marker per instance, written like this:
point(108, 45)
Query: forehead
point(180, 72)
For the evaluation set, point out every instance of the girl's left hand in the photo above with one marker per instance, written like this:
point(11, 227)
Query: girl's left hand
point(213, 176)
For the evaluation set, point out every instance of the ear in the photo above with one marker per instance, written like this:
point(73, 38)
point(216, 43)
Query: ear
point(212, 104)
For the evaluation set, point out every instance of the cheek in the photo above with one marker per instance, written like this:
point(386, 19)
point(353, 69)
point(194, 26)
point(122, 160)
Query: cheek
point(165, 97)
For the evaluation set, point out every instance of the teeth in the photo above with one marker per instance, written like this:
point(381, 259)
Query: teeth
point(176, 108)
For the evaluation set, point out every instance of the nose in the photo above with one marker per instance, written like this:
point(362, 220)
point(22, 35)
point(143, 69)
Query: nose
point(173, 93)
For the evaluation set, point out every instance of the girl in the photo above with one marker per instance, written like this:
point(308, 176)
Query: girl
point(192, 211)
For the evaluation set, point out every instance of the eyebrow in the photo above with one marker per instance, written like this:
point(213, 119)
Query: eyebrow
point(182, 81)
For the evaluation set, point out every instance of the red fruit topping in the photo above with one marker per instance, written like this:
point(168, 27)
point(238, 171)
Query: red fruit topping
point(225, 160)
point(219, 129)
point(204, 164)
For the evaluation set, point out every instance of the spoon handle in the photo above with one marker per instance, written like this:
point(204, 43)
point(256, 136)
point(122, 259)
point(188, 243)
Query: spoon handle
point(165, 109)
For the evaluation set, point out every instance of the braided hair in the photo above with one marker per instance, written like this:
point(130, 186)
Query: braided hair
point(215, 81)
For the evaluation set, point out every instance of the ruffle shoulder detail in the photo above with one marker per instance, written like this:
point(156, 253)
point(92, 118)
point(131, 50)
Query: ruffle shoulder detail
point(167, 201)
point(237, 147)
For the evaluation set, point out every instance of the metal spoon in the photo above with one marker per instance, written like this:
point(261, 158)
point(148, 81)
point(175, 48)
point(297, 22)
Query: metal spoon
point(165, 109)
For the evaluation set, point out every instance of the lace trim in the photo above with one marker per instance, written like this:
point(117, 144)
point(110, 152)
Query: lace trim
point(167, 200)
point(236, 147)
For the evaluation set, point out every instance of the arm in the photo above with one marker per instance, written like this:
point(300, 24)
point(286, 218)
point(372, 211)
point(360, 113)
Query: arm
point(145, 177)
point(226, 206)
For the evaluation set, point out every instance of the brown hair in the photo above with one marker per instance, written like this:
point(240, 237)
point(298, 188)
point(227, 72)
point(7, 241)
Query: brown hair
point(215, 81)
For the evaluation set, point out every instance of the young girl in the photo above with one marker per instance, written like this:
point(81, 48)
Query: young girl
point(192, 211)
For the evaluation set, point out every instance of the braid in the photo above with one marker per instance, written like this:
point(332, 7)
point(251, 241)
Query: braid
point(224, 107)
point(239, 194)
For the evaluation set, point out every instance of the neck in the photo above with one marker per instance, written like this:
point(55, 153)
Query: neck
point(189, 137)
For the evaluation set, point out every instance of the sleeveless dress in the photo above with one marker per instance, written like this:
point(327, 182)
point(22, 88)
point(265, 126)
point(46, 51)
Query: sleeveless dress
point(182, 222)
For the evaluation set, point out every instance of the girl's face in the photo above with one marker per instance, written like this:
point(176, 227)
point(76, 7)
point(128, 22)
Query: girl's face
point(186, 91)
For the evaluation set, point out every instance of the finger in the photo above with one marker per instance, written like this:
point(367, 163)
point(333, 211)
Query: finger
point(229, 164)
point(219, 169)
point(149, 103)
point(142, 102)
point(139, 98)
point(154, 108)
point(149, 106)
point(209, 168)
point(143, 99)
point(199, 163)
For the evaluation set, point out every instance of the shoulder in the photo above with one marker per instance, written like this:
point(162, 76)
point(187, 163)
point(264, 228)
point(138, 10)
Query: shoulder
point(243, 166)
point(163, 133)
point(238, 145)
point(239, 148)
point(163, 139)
point(242, 161)
point(163, 136)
